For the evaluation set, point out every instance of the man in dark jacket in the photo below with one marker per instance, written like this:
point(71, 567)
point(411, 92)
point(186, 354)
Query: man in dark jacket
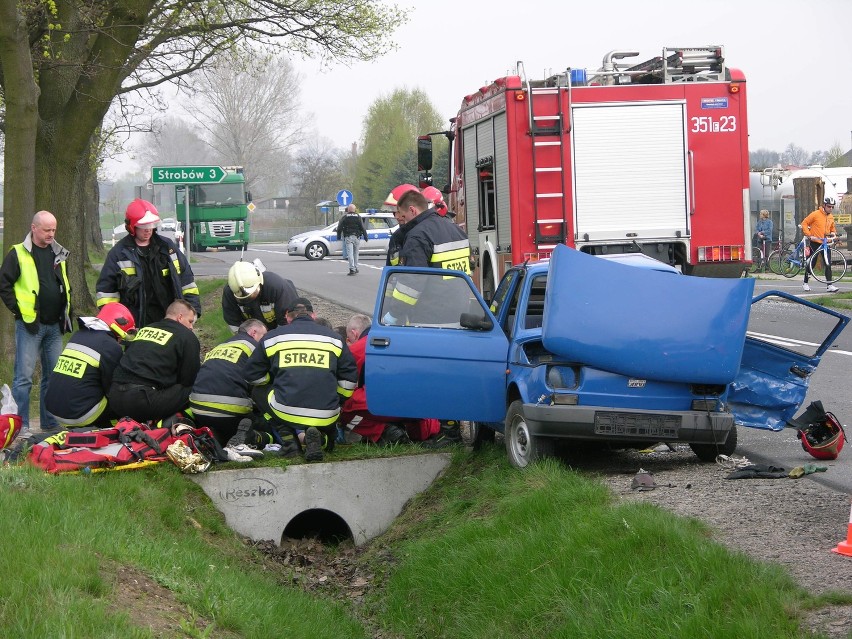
point(255, 293)
point(312, 374)
point(155, 375)
point(351, 229)
point(34, 286)
point(144, 271)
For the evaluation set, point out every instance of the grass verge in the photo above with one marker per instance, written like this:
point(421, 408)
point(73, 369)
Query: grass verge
point(486, 552)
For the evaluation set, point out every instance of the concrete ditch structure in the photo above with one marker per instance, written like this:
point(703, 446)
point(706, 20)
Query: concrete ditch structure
point(367, 495)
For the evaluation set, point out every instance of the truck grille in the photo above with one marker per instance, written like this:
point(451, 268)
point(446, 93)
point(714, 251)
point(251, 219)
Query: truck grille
point(637, 425)
point(222, 229)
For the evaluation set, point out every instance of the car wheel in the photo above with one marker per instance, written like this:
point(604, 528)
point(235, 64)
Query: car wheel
point(709, 452)
point(522, 447)
point(474, 434)
point(316, 251)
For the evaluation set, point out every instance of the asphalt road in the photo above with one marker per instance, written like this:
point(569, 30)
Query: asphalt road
point(831, 383)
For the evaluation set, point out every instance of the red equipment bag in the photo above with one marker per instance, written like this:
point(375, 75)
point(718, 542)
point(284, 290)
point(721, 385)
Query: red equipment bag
point(10, 426)
point(128, 442)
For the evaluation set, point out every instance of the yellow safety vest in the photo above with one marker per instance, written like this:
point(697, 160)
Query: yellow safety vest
point(26, 286)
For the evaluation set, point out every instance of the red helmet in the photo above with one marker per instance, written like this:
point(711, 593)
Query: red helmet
point(118, 318)
point(397, 192)
point(824, 439)
point(140, 214)
point(433, 195)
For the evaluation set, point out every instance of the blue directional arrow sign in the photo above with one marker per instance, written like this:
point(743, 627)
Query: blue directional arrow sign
point(344, 197)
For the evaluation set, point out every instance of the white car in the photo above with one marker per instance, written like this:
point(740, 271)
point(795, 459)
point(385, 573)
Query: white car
point(315, 245)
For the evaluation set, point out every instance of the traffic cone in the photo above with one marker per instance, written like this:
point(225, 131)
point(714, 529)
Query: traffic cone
point(845, 547)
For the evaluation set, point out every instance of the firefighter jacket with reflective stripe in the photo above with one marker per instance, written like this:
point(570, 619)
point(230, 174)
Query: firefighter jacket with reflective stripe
point(19, 282)
point(122, 276)
point(430, 241)
point(161, 355)
point(220, 388)
point(397, 239)
point(311, 369)
point(82, 376)
point(270, 306)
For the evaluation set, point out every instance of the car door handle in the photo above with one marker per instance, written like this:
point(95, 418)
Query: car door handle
point(379, 341)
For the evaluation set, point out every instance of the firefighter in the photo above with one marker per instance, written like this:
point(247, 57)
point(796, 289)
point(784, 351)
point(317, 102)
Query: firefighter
point(144, 271)
point(312, 372)
point(429, 241)
point(155, 375)
point(255, 293)
point(398, 237)
point(221, 398)
point(77, 395)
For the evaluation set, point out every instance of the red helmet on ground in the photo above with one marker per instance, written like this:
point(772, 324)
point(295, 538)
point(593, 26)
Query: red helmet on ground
point(433, 194)
point(140, 214)
point(397, 192)
point(119, 319)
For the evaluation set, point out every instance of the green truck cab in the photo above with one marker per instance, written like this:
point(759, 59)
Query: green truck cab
point(218, 213)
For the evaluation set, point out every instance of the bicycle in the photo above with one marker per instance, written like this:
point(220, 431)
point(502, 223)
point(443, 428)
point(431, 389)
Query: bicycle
point(795, 260)
point(760, 260)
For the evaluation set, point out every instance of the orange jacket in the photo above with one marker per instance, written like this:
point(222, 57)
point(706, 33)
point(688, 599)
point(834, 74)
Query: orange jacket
point(818, 224)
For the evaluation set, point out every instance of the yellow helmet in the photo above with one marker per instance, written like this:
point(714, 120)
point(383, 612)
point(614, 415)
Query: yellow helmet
point(244, 280)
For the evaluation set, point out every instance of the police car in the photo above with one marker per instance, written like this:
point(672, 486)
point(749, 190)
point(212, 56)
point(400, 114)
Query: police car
point(315, 245)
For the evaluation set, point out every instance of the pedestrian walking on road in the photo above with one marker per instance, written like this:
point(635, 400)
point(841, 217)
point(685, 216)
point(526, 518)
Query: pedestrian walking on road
point(351, 229)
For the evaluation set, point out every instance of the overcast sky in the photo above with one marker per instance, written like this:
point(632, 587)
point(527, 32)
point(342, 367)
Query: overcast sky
point(796, 56)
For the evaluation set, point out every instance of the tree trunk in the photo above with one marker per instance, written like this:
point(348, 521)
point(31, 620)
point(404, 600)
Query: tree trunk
point(22, 109)
point(93, 237)
point(61, 175)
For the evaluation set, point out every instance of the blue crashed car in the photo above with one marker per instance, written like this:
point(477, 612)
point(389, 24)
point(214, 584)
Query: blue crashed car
point(620, 350)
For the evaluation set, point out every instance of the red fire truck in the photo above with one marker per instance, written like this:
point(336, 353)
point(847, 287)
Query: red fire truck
point(649, 157)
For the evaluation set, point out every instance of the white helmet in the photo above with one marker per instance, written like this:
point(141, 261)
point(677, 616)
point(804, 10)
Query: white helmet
point(244, 280)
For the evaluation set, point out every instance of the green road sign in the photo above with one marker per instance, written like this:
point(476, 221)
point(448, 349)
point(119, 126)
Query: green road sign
point(187, 174)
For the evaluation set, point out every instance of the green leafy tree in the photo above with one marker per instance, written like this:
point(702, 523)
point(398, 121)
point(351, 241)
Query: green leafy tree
point(63, 63)
point(389, 156)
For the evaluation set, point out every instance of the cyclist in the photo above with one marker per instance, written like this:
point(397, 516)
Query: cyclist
point(816, 226)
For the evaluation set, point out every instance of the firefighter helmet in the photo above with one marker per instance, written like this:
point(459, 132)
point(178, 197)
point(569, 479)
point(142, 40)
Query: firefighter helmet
point(119, 319)
point(244, 279)
point(433, 195)
point(396, 193)
point(140, 214)
point(830, 201)
point(823, 439)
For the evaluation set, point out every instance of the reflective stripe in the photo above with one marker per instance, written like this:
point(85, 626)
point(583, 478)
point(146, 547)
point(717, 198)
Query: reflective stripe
point(304, 416)
point(90, 416)
point(78, 351)
point(218, 404)
point(405, 294)
point(106, 298)
point(190, 289)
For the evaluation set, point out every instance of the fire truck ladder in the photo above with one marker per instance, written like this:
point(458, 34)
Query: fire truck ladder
point(547, 132)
